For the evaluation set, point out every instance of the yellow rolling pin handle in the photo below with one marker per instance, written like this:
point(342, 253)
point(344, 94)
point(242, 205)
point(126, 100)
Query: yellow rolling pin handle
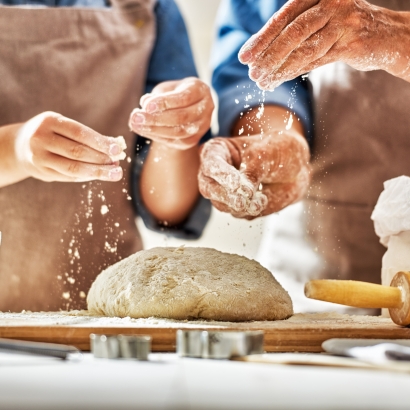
point(395, 297)
point(354, 293)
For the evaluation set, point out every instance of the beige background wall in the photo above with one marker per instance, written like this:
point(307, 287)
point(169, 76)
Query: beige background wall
point(223, 232)
point(199, 17)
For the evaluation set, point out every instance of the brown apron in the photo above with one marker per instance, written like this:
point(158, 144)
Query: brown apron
point(89, 65)
point(362, 126)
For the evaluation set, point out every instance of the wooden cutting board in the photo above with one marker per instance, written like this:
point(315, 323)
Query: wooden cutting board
point(300, 333)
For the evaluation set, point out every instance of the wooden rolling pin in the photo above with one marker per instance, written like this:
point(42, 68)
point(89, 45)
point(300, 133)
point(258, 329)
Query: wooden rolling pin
point(395, 297)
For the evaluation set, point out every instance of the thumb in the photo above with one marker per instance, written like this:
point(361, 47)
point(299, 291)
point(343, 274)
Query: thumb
point(251, 177)
point(249, 163)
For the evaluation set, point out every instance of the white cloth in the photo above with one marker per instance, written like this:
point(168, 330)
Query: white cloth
point(391, 214)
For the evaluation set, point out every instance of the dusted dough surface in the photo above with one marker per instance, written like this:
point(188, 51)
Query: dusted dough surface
point(187, 283)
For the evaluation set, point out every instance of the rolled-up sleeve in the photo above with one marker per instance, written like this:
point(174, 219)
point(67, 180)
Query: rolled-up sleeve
point(171, 59)
point(237, 20)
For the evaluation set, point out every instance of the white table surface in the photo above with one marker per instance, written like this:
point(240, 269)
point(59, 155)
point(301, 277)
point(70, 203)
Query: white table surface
point(167, 382)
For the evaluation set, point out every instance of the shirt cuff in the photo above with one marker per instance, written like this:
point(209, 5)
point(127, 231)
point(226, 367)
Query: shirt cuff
point(192, 228)
point(238, 99)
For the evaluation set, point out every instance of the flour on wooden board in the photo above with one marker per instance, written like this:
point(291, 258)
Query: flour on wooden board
point(83, 318)
point(184, 283)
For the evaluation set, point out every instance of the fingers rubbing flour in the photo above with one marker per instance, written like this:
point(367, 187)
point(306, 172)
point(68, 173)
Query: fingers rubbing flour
point(119, 146)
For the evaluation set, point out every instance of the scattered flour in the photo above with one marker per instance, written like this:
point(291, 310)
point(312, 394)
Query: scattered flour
point(83, 318)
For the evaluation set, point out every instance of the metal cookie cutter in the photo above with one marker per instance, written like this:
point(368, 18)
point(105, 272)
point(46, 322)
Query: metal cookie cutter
point(120, 346)
point(218, 345)
point(134, 347)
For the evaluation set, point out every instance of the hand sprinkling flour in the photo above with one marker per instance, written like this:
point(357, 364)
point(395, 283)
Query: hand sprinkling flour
point(50, 147)
point(255, 175)
point(304, 35)
point(259, 173)
point(174, 116)
point(176, 113)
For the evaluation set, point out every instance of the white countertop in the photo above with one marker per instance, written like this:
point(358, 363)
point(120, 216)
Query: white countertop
point(167, 382)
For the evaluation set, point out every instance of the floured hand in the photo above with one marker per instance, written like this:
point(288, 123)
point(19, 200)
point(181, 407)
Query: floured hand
point(306, 34)
point(255, 175)
point(176, 113)
point(51, 147)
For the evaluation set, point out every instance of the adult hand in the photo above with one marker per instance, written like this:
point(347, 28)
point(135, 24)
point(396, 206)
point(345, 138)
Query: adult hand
point(51, 147)
point(176, 113)
point(306, 34)
point(255, 175)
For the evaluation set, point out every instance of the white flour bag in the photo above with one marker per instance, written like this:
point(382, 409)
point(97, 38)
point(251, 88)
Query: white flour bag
point(391, 217)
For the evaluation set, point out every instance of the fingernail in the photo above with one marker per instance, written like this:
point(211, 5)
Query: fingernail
point(138, 119)
point(239, 203)
point(245, 56)
point(151, 107)
point(246, 191)
point(115, 149)
point(267, 85)
point(115, 174)
point(264, 83)
point(254, 209)
point(255, 73)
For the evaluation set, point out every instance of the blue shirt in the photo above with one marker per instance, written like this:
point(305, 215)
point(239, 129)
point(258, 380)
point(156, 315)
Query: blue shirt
point(171, 59)
point(237, 20)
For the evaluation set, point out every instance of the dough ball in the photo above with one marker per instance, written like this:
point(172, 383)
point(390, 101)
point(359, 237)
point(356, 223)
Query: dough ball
point(188, 283)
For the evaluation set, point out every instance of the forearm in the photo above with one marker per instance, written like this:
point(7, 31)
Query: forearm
point(169, 186)
point(11, 170)
point(272, 118)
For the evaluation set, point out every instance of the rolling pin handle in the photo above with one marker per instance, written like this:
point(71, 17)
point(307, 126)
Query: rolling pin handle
point(354, 293)
point(395, 297)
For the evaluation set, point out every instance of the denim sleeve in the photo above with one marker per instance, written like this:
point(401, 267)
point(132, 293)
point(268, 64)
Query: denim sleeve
point(171, 59)
point(237, 21)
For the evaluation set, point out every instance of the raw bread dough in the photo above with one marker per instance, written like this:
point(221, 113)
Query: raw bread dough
point(185, 283)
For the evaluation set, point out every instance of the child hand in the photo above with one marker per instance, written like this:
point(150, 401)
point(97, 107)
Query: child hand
point(176, 113)
point(51, 147)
